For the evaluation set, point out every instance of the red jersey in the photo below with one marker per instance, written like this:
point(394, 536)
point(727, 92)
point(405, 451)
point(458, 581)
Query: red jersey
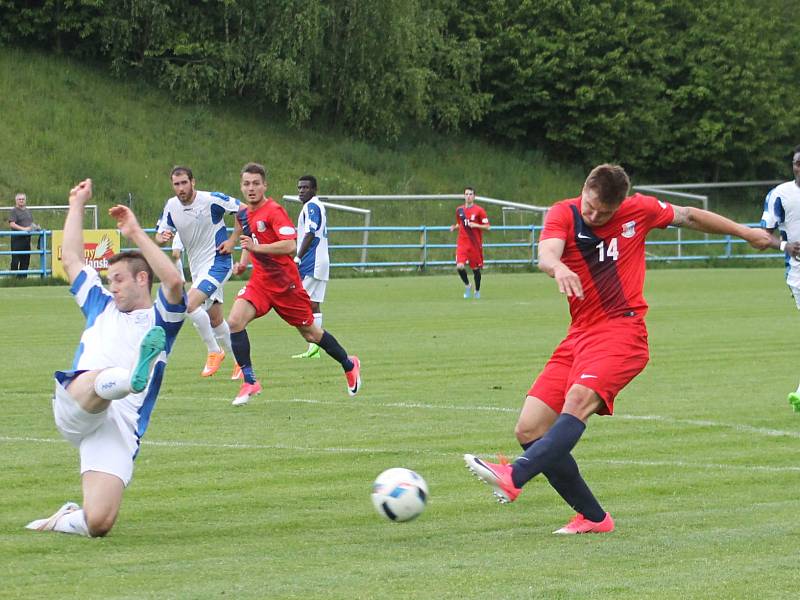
point(467, 237)
point(267, 224)
point(609, 260)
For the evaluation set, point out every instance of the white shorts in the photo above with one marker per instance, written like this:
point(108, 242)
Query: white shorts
point(211, 282)
point(796, 294)
point(315, 288)
point(106, 441)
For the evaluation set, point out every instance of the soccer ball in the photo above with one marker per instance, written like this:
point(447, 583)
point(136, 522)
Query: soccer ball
point(399, 494)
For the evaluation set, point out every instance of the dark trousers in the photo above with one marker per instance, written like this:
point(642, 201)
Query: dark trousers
point(20, 262)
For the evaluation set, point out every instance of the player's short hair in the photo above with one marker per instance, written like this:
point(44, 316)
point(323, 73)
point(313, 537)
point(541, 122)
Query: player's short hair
point(310, 178)
point(178, 169)
point(611, 183)
point(136, 263)
point(470, 188)
point(19, 195)
point(255, 169)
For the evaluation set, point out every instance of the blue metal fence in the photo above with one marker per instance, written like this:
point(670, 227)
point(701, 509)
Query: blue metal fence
point(435, 246)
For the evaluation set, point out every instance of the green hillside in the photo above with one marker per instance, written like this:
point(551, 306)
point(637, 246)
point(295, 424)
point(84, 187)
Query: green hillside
point(64, 121)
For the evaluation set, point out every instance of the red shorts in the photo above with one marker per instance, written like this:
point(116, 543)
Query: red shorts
point(604, 358)
point(469, 254)
point(293, 305)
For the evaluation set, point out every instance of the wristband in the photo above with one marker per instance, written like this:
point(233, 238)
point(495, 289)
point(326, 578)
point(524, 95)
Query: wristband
point(297, 259)
point(783, 246)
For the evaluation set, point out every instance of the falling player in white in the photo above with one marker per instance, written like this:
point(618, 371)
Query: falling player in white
point(782, 212)
point(199, 218)
point(312, 252)
point(104, 403)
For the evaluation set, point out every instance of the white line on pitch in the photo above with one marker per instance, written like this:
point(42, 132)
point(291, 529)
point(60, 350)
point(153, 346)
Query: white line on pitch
point(504, 409)
point(406, 451)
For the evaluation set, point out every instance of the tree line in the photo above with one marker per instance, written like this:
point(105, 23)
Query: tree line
point(676, 89)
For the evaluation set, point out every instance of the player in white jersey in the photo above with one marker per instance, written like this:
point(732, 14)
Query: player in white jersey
point(782, 212)
point(104, 403)
point(312, 252)
point(199, 219)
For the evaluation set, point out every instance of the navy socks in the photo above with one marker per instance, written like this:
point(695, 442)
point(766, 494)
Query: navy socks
point(549, 449)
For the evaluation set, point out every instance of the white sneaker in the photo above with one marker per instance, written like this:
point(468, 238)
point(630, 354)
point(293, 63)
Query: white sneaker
point(50, 522)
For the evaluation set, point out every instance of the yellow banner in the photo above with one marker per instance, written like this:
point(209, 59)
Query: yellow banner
point(98, 246)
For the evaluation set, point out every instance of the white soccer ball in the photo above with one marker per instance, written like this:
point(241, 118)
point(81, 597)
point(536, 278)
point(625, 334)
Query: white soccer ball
point(399, 494)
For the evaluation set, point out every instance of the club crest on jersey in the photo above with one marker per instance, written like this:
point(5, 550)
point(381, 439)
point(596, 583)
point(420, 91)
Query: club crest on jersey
point(261, 226)
point(629, 229)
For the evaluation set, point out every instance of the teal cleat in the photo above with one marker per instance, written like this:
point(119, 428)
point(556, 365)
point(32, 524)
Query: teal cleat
point(153, 343)
point(794, 400)
point(477, 296)
point(467, 292)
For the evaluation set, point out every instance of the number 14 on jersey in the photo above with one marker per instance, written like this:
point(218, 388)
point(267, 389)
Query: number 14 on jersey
point(611, 251)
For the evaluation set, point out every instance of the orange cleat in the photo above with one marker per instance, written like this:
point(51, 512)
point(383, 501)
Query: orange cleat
point(213, 362)
point(237, 373)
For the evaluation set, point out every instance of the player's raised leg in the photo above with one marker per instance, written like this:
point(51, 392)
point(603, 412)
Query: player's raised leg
point(350, 364)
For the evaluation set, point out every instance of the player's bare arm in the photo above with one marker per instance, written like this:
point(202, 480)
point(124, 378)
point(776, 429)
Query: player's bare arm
point(709, 222)
point(72, 246)
point(277, 248)
point(550, 252)
point(305, 245)
point(161, 264)
point(473, 225)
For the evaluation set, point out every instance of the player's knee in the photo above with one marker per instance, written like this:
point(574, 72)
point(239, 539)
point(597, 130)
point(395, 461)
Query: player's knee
point(527, 432)
point(461, 267)
point(100, 523)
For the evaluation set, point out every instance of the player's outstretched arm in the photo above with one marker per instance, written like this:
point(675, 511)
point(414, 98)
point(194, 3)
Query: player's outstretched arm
point(161, 264)
point(72, 245)
point(550, 252)
point(710, 222)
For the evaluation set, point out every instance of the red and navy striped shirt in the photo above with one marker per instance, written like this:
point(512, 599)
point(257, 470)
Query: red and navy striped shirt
point(609, 260)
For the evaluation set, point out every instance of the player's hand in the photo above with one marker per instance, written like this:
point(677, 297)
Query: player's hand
point(226, 247)
point(164, 236)
point(239, 268)
point(81, 193)
point(126, 220)
point(470, 224)
point(568, 281)
point(793, 249)
point(760, 239)
point(453, 227)
point(246, 242)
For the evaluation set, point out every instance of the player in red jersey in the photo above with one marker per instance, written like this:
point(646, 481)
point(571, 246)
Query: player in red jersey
point(269, 240)
point(593, 246)
point(471, 221)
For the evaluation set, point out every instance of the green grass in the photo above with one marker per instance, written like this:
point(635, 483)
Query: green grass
point(699, 465)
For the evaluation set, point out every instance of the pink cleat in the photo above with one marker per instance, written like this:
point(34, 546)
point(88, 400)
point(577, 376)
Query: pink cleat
point(496, 475)
point(247, 390)
point(580, 524)
point(354, 377)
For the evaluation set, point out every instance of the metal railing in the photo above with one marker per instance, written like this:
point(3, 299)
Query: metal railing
point(421, 247)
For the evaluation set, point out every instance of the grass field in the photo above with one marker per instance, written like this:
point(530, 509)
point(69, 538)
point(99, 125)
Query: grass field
point(699, 466)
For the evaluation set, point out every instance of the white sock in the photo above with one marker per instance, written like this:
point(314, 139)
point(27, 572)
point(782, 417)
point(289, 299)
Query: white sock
point(113, 383)
point(202, 323)
point(74, 522)
point(222, 333)
point(318, 323)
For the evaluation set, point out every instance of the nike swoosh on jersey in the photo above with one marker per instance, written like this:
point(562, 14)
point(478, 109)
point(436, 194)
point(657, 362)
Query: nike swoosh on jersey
point(585, 376)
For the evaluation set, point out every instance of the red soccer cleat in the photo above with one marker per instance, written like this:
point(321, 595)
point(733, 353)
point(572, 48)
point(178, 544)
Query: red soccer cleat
point(354, 376)
point(496, 475)
point(580, 524)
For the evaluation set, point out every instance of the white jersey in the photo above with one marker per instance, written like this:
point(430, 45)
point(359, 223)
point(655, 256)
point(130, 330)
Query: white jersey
point(782, 211)
point(201, 226)
point(312, 220)
point(112, 338)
